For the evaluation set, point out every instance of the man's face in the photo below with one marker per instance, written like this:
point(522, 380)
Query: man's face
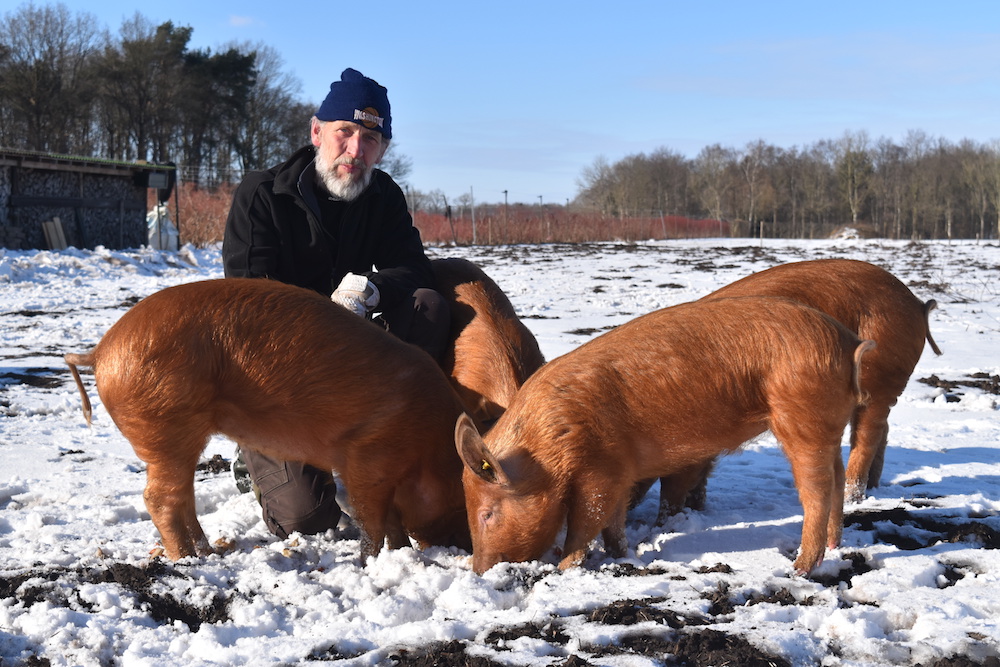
point(346, 153)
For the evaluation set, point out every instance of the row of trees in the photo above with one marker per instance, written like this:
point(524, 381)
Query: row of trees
point(69, 86)
point(923, 187)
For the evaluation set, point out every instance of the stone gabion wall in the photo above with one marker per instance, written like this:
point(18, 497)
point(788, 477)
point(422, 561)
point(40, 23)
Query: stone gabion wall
point(112, 212)
point(10, 236)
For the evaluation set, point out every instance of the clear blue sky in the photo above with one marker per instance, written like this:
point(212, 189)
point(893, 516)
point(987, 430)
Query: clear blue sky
point(524, 95)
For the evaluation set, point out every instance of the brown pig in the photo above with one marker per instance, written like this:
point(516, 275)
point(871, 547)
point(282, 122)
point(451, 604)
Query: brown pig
point(284, 371)
point(874, 304)
point(491, 352)
point(662, 394)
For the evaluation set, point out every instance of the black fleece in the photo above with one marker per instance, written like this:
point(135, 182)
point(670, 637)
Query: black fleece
point(274, 231)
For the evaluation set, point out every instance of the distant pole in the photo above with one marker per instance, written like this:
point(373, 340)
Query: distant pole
point(548, 223)
point(505, 237)
point(177, 205)
point(473, 200)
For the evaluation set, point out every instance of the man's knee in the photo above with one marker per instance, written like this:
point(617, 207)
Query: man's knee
point(299, 513)
point(294, 497)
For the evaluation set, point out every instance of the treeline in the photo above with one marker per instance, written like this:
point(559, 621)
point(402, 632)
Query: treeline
point(68, 86)
point(920, 188)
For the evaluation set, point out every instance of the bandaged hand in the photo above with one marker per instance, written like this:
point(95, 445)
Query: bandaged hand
point(357, 294)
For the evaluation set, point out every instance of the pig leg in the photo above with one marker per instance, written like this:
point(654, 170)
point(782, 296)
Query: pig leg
point(639, 491)
point(835, 523)
point(595, 510)
point(171, 456)
point(698, 494)
point(575, 547)
point(869, 433)
point(683, 489)
point(372, 506)
point(615, 543)
point(396, 537)
point(169, 497)
point(817, 468)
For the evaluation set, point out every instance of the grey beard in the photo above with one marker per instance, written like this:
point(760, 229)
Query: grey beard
point(339, 188)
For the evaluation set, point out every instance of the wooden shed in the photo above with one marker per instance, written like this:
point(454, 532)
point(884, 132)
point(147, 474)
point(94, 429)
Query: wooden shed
point(54, 201)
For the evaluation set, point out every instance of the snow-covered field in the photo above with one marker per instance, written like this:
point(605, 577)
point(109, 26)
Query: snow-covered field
point(917, 579)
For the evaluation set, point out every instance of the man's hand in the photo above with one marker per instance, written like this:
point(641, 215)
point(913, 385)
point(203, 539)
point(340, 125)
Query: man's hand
point(357, 294)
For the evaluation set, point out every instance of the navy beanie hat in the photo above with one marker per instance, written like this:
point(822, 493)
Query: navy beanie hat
point(359, 99)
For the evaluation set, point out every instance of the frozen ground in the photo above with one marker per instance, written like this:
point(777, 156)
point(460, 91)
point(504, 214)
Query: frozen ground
point(917, 580)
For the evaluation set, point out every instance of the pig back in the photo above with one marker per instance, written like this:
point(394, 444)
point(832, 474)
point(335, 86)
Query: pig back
point(271, 363)
point(700, 377)
point(866, 298)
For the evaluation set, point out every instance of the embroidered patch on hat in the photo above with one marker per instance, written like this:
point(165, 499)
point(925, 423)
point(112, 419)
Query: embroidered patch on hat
point(369, 117)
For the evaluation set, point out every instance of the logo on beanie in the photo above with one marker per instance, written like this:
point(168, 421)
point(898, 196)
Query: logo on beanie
point(368, 117)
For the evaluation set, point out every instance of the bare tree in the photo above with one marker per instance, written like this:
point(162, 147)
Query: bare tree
point(948, 186)
point(790, 188)
point(854, 170)
point(273, 123)
point(396, 164)
point(754, 163)
point(670, 183)
point(711, 173)
point(993, 169)
point(918, 180)
point(889, 187)
point(975, 176)
point(46, 60)
point(596, 186)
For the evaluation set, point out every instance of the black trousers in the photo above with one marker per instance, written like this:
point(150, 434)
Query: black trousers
point(296, 497)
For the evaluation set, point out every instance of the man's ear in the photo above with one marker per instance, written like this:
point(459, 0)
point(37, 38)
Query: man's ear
point(314, 129)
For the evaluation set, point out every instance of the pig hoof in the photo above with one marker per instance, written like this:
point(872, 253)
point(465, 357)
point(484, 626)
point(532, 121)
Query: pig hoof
point(855, 493)
point(223, 545)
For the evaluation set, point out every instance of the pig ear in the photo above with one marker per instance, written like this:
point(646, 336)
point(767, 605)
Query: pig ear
point(474, 453)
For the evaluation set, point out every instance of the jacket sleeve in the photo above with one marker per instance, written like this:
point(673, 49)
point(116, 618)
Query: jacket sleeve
point(250, 245)
point(402, 266)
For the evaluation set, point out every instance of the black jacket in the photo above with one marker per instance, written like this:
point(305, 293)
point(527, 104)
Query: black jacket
point(274, 231)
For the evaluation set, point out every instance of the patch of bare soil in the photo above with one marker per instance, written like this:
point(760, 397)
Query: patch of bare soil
point(59, 586)
point(44, 378)
point(215, 465)
point(910, 530)
point(962, 661)
point(989, 384)
point(703, 648)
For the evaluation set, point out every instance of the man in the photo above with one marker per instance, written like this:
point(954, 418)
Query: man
point(326, 219)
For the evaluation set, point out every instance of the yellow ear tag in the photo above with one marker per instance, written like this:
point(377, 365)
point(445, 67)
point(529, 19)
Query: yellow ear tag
point(486, 466)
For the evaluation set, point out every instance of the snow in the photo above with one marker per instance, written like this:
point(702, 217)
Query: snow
point(71, 502)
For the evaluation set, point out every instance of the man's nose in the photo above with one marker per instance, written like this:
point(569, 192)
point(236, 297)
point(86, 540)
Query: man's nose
point(354, 147)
